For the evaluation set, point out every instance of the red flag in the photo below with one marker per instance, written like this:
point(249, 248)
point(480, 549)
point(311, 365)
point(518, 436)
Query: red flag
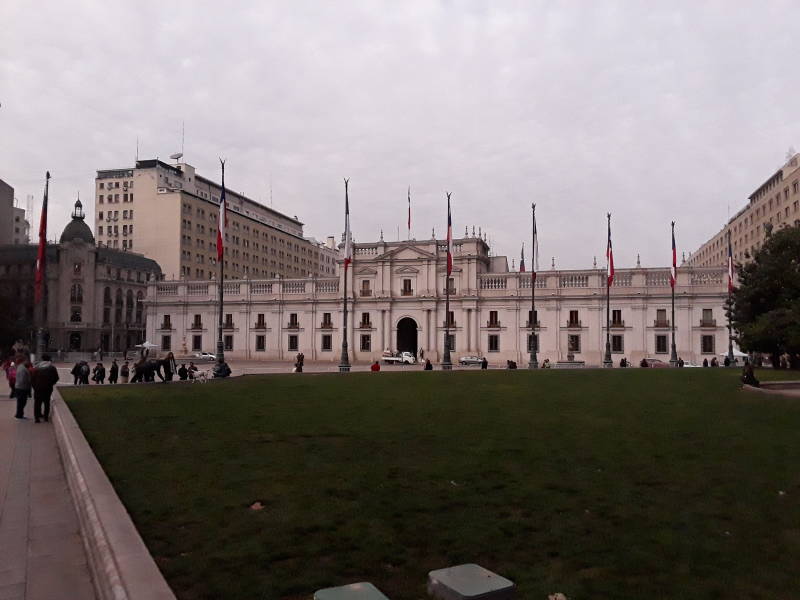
point(673, 272)
point(41, 255)
point(610, 256)
point(222, 221)
point(730, 264)
point(449, 239)
point(409, 212)
point(348, 242)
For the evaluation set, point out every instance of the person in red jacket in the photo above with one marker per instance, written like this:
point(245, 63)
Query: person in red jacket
point(376, 366)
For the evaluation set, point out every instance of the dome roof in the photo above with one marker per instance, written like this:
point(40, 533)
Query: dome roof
point(77, 228)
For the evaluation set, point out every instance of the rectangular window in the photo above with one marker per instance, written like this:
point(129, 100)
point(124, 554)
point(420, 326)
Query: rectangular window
point(494, 343)
point(707, 344)
point(574, 319)
point(535, 317)
point(166, 324)
point(617, 345)
point(261, 343)
point(228, 320)
point(365, 289)
point(451, 341)
point(451, 285)
point(102, 185)
point(260, 322)
point(494, 321)
point(661, 317)
point(197, 343)
point(100, 230)
point(534, 341)
point(326, 320)
point(228, 341)
point(327, 342)
point(293, 343)
point(451, 319)
point(616, 317)
point(407, 287)
point(661, 344)
point(293, 322)
point(366, 343)
point(198, 322)
point(708, 317)
point(574, 343)
point(166, 342)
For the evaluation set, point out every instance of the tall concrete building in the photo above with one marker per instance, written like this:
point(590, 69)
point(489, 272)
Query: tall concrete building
point(169, 213)
point(14, 224)
point(773, 205)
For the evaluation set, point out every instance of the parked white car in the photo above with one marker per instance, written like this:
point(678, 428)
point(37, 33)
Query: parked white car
point(470, 360)
point(204, 356)
point(401, 358)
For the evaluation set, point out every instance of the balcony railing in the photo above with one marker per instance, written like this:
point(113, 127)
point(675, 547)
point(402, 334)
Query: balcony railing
point(536, 324)
point(293, 325)
point(260, 325)
point(617, 324)
point(493, 324)
point(196, 326)
point(573, 324)
point(228, 325)
point(366, 292)
point(407, 292)
point(449, 323)
point(365, 325)
point(661, 323)
point(451, 291)
point(708, 322)
point(326, 325)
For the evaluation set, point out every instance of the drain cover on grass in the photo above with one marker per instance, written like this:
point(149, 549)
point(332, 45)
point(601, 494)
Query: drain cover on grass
point(355, 591)
point(469, 582)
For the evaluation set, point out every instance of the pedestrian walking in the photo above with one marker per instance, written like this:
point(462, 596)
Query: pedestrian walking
point(99, 374)
point(170, 368)
point(22, 386)
point(484, 364)
point(124, 372)
point(11, 375)
point(113, 372)
point(44, 379)
point(76, 373)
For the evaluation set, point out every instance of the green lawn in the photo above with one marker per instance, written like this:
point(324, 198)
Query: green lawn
point(599, 484)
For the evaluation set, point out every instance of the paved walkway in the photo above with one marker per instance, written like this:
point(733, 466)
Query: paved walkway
point(41, 551)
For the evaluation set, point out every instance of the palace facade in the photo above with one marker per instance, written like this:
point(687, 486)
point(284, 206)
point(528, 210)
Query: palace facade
point(396, 294)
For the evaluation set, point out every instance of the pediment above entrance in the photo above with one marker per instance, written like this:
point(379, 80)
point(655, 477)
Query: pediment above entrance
point(366, 271)
point(406, 270)
point(409, 252)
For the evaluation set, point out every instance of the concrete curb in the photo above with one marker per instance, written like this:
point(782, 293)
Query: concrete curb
point(121, 566)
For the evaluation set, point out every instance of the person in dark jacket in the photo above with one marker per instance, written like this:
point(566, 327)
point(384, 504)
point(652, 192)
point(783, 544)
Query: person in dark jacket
point(76, 373)
point(169, 366)
point(428, 365)
point(484, 364)
point(183, 373)
point(22, 387)
point(113, 372)
point(99, 374)
point(44, 379)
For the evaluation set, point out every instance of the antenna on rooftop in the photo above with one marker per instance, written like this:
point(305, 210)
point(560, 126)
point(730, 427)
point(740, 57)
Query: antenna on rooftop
point(137, 148)
point(179, 155)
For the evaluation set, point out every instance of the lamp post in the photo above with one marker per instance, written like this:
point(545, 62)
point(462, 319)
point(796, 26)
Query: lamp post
point(534, 362)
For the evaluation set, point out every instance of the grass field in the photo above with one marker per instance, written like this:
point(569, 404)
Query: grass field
point(599, 484)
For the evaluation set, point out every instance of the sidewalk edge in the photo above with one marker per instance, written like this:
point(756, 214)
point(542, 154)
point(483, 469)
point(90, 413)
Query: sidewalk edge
point(121, 566)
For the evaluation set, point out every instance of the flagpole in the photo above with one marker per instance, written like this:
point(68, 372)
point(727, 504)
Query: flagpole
point(344, 362)
point(409, 212)
point(607, 362)
point(534, 362)
point(730, 300)
point(221, 279)
point(41, 272)
point(447, 364)
point(673, 358)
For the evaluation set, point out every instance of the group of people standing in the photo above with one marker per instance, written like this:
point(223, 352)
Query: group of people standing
point(25, 378)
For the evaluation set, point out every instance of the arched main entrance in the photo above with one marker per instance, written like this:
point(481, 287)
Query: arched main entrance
point(407, 335)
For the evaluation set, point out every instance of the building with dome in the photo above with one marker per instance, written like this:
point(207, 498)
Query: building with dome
point(94, 296)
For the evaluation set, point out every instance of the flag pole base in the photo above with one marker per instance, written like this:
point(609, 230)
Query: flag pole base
point(607, 362)
point(344, 361)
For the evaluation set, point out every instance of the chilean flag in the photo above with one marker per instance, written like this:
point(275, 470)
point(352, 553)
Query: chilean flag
point(610, 256)
point(730, 264)
point(41, 256)
point(449, 238)
point(348, 242)
point(222, 220)
point(673, 272)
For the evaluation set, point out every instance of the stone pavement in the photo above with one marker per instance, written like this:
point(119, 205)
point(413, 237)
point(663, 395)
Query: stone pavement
point(41, 551)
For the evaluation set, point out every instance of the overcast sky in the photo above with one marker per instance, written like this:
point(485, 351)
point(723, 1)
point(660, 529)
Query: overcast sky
point(649, 112)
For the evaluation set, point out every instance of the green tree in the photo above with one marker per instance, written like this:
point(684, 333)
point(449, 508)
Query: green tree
point(766, 304)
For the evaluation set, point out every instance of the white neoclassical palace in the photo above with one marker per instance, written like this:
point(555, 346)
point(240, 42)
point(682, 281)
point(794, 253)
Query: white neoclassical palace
point(397, 302)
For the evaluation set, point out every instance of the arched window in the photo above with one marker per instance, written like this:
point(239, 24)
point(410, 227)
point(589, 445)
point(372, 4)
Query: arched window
point(107, 296)
point(75, 314)
point(76, 293)
point(139, 306)
point(129, 306)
